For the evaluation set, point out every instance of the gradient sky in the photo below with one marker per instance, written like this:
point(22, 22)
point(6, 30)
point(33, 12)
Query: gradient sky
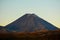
point(49, 10)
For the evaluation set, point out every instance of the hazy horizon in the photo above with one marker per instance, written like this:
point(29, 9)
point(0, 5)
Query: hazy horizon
point(11, 10)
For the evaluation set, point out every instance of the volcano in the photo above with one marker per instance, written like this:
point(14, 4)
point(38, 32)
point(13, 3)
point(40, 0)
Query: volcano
point(29, 23)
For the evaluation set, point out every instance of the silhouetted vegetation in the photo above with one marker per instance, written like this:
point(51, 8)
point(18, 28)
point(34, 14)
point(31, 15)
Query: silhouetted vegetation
point(42, 35)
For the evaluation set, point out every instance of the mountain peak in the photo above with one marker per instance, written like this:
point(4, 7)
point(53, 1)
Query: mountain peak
point(29, 14)
point(30, 23)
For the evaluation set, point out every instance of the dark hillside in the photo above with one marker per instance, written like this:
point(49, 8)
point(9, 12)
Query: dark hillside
point(43, 35)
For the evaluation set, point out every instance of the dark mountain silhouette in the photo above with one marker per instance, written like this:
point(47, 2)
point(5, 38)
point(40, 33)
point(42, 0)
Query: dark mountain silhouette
point(29, 23)
point(1, 27)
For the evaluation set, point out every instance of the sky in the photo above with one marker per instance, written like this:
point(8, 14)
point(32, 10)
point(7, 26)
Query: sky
point(49, 10)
